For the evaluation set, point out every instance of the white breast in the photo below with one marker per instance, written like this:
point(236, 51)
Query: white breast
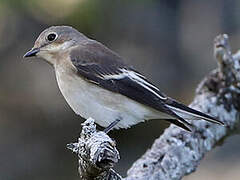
point(89, 100)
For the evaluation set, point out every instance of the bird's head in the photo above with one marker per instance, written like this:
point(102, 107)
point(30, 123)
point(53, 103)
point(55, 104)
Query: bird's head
point(54, 41)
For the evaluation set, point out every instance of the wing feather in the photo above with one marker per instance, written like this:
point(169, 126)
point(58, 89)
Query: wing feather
point(101, 66)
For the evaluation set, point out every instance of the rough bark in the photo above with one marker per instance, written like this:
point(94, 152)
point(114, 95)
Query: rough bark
point(97, 153)
point(176, 152)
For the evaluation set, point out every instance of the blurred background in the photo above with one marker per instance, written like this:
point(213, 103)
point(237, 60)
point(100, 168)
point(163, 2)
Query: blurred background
point(168, 41)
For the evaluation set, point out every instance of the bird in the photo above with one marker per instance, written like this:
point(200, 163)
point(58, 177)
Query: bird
point(96, 82)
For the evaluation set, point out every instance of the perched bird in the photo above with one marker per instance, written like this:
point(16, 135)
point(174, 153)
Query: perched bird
point(97, 83)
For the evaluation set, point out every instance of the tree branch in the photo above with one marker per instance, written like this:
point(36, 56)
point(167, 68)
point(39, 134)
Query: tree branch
point(97, 153)
point(176, 152)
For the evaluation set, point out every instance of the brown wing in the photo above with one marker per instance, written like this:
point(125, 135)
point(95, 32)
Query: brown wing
point(101, 66)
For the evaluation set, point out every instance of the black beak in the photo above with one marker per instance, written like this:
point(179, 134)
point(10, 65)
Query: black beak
point(32, 52)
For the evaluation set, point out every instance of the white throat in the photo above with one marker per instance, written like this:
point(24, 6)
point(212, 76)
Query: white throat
point(52, 52)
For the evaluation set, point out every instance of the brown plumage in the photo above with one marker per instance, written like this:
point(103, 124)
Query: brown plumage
point(97, 83)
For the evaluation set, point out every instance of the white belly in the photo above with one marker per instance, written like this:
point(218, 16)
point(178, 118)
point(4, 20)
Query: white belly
point(90, 100)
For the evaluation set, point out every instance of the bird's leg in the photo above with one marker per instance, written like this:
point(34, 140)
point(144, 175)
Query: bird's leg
point(111, 126)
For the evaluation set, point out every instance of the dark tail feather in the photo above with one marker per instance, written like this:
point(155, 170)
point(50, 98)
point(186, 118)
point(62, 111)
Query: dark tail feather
point(178, 107)
point(183, 125)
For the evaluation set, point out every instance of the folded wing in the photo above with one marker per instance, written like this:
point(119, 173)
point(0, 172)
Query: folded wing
point(101, 66)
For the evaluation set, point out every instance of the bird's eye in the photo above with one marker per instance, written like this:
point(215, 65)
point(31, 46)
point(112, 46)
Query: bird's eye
point(51, 37)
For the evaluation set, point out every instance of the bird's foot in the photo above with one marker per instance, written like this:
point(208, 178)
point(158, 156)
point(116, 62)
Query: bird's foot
point(111, 126)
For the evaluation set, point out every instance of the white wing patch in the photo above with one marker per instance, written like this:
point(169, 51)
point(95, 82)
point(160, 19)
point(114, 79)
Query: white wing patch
point(138, 78)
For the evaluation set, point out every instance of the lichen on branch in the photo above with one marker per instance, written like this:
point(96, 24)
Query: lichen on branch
point(175, 153)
